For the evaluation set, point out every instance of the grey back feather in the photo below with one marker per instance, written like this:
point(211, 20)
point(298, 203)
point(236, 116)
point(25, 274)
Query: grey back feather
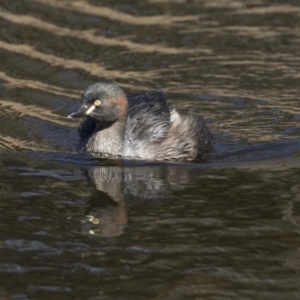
point(148, 118)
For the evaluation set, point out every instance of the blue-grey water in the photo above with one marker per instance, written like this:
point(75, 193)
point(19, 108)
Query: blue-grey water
point(76, 227)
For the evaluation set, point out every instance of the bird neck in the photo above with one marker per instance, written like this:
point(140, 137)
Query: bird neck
point(108, 137)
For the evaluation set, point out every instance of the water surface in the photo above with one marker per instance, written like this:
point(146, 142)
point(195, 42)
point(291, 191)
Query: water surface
point(75, 227)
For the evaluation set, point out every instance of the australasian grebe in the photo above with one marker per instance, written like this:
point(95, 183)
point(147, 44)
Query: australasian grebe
point(140, 126)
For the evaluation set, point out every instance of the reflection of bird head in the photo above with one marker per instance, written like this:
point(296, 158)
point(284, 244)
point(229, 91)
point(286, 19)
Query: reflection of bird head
point(104, 217)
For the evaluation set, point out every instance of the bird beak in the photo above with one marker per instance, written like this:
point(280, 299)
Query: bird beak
point(83, 109)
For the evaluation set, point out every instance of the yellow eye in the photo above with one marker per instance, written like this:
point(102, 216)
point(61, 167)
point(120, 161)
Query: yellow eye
point(97, 102)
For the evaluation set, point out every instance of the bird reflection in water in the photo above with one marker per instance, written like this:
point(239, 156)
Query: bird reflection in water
point(117, 186)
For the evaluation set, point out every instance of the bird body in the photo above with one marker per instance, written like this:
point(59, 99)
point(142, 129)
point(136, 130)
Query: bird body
point(142, 126)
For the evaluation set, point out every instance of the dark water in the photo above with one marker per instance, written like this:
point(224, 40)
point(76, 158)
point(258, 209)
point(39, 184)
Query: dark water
point(73, 227)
